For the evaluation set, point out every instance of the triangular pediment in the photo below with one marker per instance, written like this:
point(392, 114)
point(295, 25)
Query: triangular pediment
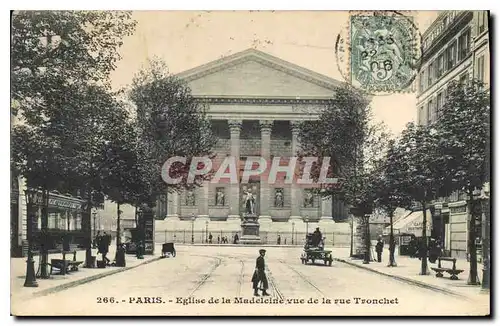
point(253, 73)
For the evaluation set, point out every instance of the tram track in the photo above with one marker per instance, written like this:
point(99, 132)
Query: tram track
point(205, 277)
point(303, 277)
point(241, 278)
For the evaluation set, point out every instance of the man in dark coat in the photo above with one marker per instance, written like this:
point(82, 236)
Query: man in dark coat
point(316, 238)
point(259, 275)
point(379, 248)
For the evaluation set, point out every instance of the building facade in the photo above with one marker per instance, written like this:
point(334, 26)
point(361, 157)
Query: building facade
point(455, 48)
point(255, 102)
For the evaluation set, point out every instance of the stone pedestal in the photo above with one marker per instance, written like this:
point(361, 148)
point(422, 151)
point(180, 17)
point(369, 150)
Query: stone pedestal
point(250, 229)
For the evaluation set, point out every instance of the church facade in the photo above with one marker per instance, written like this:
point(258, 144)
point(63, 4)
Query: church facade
point(255, 102)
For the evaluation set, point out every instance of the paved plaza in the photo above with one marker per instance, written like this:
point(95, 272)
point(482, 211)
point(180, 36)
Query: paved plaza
point(190, 284)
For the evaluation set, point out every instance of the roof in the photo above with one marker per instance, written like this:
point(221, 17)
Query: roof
point(265, 59)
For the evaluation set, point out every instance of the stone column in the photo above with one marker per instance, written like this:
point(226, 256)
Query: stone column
point(234, 197)
point(203, 200)
point(265, 193)
point(295, 190)
point(326, 222)
point(173, 205)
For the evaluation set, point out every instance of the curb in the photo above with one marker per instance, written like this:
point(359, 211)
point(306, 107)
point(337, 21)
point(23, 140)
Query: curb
point(89, 279)
point(408, 280)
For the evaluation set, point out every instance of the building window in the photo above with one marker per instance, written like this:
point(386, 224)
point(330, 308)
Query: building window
point(430, 112)
point(430, 74)
point(440, 66)
point(480, 68)
point(463, 79)
point(482, 21)
point(439, 104)
point(451, 55)
point(463, 45)
point(421, 116)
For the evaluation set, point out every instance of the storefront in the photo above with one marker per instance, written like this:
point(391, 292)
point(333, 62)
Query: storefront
point(412, 224)
point(64, 222)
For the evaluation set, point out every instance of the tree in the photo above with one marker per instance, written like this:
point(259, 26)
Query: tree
point(420, 168)
point(171, 122)
point(390, 194)
point(463, 126)
point(344, 133)
point(61, 62)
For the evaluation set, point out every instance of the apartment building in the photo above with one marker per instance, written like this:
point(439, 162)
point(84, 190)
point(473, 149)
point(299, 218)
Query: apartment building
point(455, 47)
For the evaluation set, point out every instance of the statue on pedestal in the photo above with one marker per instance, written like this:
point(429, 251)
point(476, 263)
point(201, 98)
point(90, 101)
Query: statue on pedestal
point(249, 202)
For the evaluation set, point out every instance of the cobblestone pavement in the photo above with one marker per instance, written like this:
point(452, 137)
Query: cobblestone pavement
point(184, 285)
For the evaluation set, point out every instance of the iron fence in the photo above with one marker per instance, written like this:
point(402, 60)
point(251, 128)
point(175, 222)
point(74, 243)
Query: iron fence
point(332, 239)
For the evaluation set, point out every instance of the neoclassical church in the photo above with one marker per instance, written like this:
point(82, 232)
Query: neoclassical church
point(255, 101)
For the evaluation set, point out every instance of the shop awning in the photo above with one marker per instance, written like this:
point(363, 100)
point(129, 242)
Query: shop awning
point(412, 223)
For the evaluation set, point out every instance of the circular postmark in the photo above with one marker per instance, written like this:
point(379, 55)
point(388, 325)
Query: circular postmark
point(379, 52)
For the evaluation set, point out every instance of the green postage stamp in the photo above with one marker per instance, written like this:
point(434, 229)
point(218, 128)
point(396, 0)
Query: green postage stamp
point(385, 51)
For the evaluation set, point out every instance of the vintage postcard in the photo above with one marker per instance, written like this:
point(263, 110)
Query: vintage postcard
point(250, 163)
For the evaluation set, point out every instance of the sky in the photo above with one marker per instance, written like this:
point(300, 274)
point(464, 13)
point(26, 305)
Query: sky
point(186, 39)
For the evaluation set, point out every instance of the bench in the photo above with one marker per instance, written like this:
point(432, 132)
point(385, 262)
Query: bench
point(60, 264)
point(64, 265)
point(452, 271)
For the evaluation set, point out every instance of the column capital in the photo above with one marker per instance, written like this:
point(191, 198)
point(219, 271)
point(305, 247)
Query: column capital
point(234, 125)
point(266, 125)
point(295, 127)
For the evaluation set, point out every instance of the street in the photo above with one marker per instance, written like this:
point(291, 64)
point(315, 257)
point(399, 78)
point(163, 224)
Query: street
point(190, 284)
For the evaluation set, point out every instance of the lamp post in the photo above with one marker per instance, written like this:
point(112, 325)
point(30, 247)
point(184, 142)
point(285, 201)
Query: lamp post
point(293, 229)
point(193, 217)
point(95, 226)
point(307, 225)
point(30, 281)
point(485, 207)
point(206, 231)
point(475, 210)
point(438, 208)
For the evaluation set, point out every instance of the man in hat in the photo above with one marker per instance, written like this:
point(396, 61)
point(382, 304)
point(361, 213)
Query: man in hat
point(259, 275)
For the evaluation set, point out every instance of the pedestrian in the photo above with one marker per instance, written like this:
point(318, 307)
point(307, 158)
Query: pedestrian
point(210, 237)
point(379, 248)
point(279, 240)
point(259, 275)
point(218, 239)
point(104, 247)
point(236, 238)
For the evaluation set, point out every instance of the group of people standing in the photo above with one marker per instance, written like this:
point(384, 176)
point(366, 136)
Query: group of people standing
point(102, 243)
point(223, 239)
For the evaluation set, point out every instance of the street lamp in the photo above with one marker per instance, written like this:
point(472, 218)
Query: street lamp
point(293, 229)
point(307, 225)
point(438, 208)
point(193, 217)
point(206, 231)
point(95, 227)
point(31, 198)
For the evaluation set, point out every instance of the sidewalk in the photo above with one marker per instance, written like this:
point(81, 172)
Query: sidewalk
point(408, 270)
point(58, 283)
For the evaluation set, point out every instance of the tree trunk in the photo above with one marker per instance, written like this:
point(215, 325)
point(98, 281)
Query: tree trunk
point(118, 231)
point(367, 241)
point(392, 242)
point(473, 277)
point(44, 273)
point(423, 243)
point(88, 231)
